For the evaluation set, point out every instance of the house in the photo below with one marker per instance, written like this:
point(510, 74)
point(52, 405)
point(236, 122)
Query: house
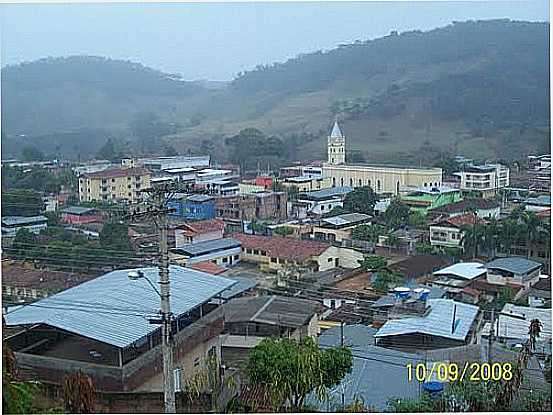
point(101, 328)
point(483, 208)
point(223, 252)
point(514, 270)
point(199, 231)
point(249, 320)
point(391, 305)
point(446, 323)
point(77, 215)
point(156, 164)
point(114, 185)
point(377, 373)
point(192, 206)
point(51, 203)
point(448, 232)
point(262, 205)
point(306, 183)
point(511, 326)
point(12, 224)
point(457, 278)
point(423, 199)
point(538, 204)
point(483, 180)
point(275, 253)
point(318, 202)
point(419, 266)
point(538, 294)
point(23, 283)
point(339, 228)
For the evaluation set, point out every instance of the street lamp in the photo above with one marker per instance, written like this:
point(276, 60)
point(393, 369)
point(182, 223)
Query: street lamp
point(167, 350)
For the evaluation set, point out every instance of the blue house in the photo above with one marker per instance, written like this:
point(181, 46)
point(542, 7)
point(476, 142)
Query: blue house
point(193, 207)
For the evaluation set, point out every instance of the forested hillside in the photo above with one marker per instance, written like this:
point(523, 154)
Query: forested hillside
point(477, 88)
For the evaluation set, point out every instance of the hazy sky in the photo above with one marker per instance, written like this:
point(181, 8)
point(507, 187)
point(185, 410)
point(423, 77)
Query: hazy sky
point(218, 40)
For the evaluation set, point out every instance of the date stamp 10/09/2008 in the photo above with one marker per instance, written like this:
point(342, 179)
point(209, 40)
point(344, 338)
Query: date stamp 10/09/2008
point(451, 372)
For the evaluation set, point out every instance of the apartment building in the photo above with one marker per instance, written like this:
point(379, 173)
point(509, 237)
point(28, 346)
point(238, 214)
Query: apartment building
point(114, 185)
point(484, 180)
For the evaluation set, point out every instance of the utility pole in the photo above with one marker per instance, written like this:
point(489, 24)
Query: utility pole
point(159, 197)
point(490, 336)
point(342, 344)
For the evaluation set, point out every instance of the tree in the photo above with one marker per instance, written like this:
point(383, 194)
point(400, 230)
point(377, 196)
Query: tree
point(31, 153)
point(531, 225)
point(386, 279)
point(422, 248)
point(78, 393)
point(509, 232)
point(21, 202)
point(23, 242)
point(396, 214)
point(473, 239)
point(416, 219)
point(110, 150)
point(368, 232)
point(17, 396)
point(373, 263)
point(293, 369)
point(335, 211)
point(115, 236)
point(284, 230)
point(360, 200)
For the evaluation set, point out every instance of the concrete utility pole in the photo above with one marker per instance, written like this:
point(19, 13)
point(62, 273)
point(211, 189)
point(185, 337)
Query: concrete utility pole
point(159, 197)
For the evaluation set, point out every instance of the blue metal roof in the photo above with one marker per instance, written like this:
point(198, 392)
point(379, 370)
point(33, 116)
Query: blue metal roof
point(114, 309)
point(243, 284)
point(377, 375)
point(437, 322)
point(200, 248)
point(23, 220)
point(516, 265)
point(330, 192)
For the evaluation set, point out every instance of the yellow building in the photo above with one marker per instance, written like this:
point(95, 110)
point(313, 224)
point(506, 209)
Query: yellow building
point(114, 185)
point(381, 178)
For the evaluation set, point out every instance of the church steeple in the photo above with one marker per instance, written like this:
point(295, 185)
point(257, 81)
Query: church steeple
point(336, 145)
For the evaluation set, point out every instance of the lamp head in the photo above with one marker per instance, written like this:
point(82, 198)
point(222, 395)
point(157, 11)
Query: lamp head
point(135, 275)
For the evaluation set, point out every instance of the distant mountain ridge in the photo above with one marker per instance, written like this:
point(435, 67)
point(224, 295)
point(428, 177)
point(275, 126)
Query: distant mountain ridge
point(477, 88)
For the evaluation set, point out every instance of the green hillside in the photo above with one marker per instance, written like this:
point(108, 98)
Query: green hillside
point(476, 88)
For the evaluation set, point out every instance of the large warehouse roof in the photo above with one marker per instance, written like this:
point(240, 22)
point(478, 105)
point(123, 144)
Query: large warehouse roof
point(114, 309)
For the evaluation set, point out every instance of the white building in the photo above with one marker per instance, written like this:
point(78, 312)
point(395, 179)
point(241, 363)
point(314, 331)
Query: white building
point(12, 224)
point(485, 179)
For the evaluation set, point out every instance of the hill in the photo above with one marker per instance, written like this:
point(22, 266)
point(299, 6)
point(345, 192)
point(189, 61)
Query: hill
point(480, 88)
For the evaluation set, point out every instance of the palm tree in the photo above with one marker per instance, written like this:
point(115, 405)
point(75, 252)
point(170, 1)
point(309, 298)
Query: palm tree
point(491, 234)
point(531, 226)
point(508, 233)
point(473, 239)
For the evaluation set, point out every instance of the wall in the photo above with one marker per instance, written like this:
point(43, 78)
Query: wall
point(347, 258)
point(452, 238)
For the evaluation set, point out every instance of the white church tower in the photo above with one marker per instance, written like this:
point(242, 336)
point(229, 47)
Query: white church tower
point(336, 146)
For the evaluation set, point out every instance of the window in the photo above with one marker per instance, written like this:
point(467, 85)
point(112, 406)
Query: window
point(330, 206)
point(249, 251)
point(322, 207)
point(329, 259)
point(236, 257)
point(263, 253)
point(334, 182)
point(273, 260)
point(378, 185)
point(351, 182)
point(342, 181)
point(113, 180)
point(256, 252)
point(360, 182)
point(225, 259)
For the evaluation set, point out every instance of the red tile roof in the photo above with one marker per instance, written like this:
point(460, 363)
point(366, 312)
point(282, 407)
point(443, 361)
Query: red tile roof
point(201, 227)
point(113, 173)
point(544, 213)
point(281, 247)
point(460, 220)
point(208, 266)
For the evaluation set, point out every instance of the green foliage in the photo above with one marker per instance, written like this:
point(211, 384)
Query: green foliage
point(421, 248)
point(387, 279)
point(38, 179)
point(416, 219)
point(23, 242)
point(360, 200)
point(250, 147)
point(293, 369)
point(31, 153)
point(335, 211)
point(21, 202)
point(111, 150)
point(284, 230)
point(453, 252)
point(396, 214)
point(447, 164)
point(373, 263)
point(368, 232)
point(115, 236)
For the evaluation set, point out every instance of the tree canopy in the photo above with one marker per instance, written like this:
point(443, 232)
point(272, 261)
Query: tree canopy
point(293, 369)
point(360, 200)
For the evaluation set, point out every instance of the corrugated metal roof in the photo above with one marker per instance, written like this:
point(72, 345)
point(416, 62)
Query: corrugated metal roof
point(114, 310)
point(22, 220)
point(78, 210)
point(465, 270)
point(436, 323)
point(200, 248)
point(515, 265)
point(347, 218)
point(243, 284)
point(330, 192)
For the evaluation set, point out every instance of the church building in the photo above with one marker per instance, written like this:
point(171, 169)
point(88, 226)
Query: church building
point(382, 179)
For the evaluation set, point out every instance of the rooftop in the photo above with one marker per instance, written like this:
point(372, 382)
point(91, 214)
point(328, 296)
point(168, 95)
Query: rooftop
point(517, 328)
point(273, 310)
point(199, 198)
point(201, 248)
point(114, 310)
point(336, 132)
point(438, 321)
point(281, 247)
point(22, 220)
point(467, 205)
point(389, 300)
point(458, 221)
point(326, 193)
point(208, 267)
point(544, 284)
point(242, 285)
point(433, 191)
point(543, 200)
point(78, 210)
point(418, 265)
point(346, 219)
point(201, 227)
point(119, 172)
point(464, 270)
point(516, 265)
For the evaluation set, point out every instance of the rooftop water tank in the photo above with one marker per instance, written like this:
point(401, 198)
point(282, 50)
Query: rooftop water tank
point(402, 292)
point(424, 294)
